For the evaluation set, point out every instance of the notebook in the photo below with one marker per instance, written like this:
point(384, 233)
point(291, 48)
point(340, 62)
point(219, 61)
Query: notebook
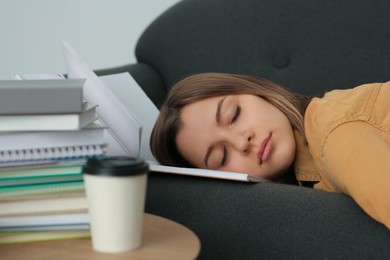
point(53, 153)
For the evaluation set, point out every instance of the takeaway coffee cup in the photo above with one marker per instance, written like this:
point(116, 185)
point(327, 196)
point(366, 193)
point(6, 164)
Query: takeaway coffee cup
point(116, 190)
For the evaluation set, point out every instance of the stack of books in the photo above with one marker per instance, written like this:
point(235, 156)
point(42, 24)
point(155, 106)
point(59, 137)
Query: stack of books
point(47, 131)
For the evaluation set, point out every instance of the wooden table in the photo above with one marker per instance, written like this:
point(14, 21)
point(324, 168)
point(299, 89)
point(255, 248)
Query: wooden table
point(162, 239)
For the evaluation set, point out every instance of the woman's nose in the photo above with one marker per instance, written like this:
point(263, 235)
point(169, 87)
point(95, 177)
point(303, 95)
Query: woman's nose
point(243, 141)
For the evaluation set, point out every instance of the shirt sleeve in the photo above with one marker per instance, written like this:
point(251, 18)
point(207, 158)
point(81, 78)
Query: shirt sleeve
point(356, 161)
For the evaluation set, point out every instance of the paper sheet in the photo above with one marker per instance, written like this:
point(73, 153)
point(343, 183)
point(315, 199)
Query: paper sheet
point(134, 98)
point(124, 130)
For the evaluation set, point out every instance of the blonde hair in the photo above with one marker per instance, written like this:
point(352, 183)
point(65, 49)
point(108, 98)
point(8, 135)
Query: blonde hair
point(205, 85)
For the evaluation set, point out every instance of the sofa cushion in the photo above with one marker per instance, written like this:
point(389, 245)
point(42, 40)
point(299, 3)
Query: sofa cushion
point(307, 46)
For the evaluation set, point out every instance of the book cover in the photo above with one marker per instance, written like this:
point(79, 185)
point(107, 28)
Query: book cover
point(22, 182)
point(60, 202)
point(48, 196)
point(23, 237)
point(47, 122)
point(55, 221)
point(58, 167)
point(128, 132)
point(124, 130)
point(59, 227)
point(38, 76)
point(49, 96)
point(11, 158)
point(134, 98)
point(89, 135)
point(44, 188)
point(233, 176)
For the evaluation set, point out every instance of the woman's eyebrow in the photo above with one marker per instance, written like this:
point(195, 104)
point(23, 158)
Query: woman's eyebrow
point(218, 112)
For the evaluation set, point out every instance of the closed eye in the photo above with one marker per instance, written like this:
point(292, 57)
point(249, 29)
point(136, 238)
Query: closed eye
point(237, 114)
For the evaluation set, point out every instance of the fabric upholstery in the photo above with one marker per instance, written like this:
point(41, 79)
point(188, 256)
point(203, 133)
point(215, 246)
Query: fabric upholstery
point(307, 46)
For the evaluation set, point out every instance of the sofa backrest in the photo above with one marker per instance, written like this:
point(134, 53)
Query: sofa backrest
point(308, 46)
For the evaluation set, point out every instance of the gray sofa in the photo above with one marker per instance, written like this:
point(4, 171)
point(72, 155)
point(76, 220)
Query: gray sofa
point(309, 46)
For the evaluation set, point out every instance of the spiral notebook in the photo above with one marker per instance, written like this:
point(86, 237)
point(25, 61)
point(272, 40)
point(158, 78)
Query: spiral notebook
point(10, 157)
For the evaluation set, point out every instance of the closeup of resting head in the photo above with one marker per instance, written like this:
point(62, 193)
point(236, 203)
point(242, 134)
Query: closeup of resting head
point(229, 122)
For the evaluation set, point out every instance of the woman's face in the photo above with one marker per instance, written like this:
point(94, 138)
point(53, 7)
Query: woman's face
point(240, 133)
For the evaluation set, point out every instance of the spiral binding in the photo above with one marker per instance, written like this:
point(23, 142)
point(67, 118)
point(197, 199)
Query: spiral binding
point(69, 152)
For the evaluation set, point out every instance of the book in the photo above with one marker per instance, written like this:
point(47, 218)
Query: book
point(23, 237)
point(42, 188)
point(48, 96)
point(48, 196)
point(38, 76)
point(134, 98)
point(57, 168)
point(58, 227)
point(207, 173)
point(59, 202)
point(128, 132)
point(22, 182)
point(48, 122)
point(9, 164)
point(45, 222)
point(34, 156)
point(124, 130)
point(91, 134)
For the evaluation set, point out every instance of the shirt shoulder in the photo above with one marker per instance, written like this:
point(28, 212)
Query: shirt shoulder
point(323, 115)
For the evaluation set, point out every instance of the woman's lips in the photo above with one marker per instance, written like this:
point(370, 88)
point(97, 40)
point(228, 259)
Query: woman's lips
point(265, 149)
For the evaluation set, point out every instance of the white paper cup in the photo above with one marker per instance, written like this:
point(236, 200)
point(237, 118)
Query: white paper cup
point(116, 190)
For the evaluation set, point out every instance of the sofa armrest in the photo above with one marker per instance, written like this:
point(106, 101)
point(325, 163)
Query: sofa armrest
point(235, 220)
point(146, 76)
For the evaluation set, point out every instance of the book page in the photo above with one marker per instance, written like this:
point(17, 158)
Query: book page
point(124, 130)
point(233, 176)
point(135, 99)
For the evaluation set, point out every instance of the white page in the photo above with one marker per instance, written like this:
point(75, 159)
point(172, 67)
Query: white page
point(134, 98)
point(124, 130)
point(37, 76)
point(234, 176)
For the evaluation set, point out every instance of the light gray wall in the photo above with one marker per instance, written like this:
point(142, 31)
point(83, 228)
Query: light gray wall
point(103, 32)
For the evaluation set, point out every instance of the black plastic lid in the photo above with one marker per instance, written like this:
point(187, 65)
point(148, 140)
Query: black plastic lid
point(115, 166)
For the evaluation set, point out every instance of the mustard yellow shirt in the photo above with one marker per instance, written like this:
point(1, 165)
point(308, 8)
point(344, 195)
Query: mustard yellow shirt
point(348, 151)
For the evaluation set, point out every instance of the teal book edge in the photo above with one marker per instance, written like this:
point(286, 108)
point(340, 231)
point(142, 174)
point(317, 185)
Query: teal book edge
point(20, 182)
point(41, 188)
